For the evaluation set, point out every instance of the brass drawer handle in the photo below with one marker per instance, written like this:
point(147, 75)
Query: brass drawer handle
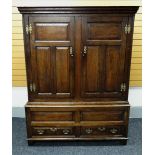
point(89, 131)
point(66, 131)
point(40, 132)
point(101, 128)
point(114, 130)
point(53, 129)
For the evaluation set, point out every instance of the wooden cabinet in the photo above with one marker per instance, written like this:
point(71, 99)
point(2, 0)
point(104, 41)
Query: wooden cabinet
point(78, 65)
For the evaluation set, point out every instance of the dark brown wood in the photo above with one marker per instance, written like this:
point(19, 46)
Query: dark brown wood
point(104, 61)
point(80, 9)
point(77, 59)
point(52, 64)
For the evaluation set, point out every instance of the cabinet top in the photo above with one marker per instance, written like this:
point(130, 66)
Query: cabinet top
point(80, 10)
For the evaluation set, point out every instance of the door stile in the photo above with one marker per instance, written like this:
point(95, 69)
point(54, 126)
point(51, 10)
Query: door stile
point(78, 56)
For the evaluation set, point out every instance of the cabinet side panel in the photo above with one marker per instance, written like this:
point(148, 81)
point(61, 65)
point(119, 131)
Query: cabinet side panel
point(25, 22)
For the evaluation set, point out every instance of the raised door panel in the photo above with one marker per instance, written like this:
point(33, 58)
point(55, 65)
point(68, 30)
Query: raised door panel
point(114, 68)
point(52, 31)
point(92, 73)
point(63, 70)
point(52, 57)
point(104, 31)
point(103, 56)
point(43, 69)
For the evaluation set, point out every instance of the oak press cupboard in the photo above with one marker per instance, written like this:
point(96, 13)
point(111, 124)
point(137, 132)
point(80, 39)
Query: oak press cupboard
point(78, 65)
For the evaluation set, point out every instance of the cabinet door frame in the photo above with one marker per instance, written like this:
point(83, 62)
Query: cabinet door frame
point(85, 42)
point(34, 96)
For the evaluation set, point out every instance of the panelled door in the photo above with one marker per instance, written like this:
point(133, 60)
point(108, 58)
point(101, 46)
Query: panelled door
point(103, 56)
point(52, 56)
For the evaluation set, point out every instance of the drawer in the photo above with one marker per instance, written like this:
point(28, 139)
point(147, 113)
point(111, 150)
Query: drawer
point(104, 114)
point(53, 131)
point(52, 116)
point(103, 130)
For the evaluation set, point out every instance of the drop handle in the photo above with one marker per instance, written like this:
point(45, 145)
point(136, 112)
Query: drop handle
point(71, 52)
point(40, 132)
point(101, 128)
point(114, 130)
point(66, 131)
point(89, 131)
point(53, 129)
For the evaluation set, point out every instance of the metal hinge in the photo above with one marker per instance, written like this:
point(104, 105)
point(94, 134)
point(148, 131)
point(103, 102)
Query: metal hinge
point(29, 29)
point(32, 87)
point(127, 28)
point(123, 87)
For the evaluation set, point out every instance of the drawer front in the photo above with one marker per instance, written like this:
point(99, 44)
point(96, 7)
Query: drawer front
point(52, 116)
point(103, 130)
point(105, 114)
point(53, 131)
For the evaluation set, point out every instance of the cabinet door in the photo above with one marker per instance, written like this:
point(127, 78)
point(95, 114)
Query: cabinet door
point(103, 56)
point(52, 56)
